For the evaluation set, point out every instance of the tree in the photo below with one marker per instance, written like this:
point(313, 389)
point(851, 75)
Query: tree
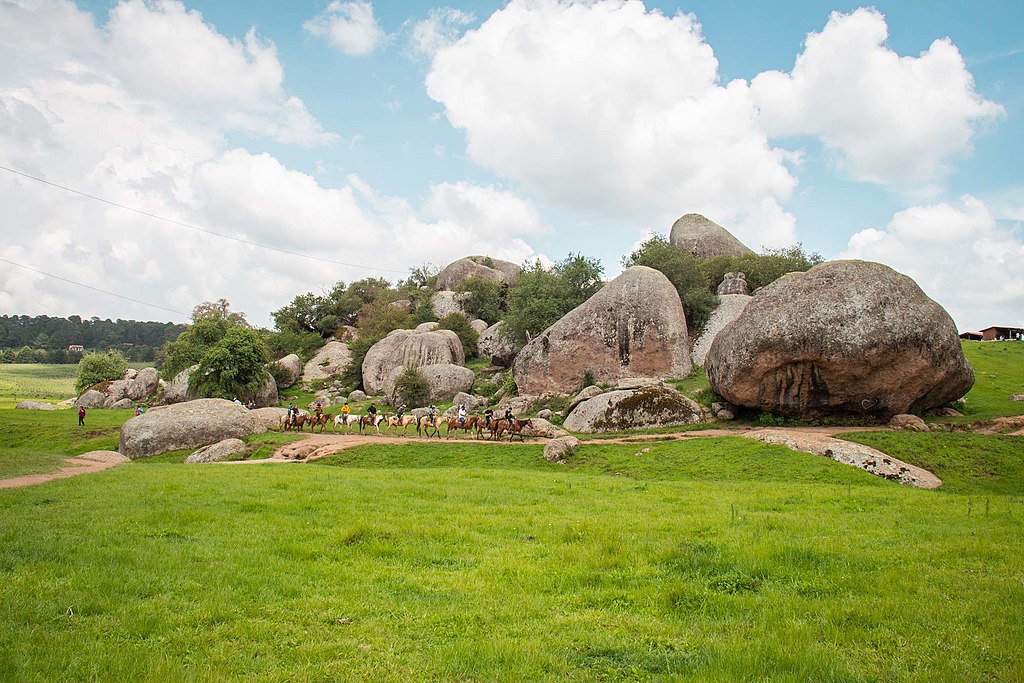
point(411, 388)
point(233, 367)
point(485, 300)
point(761, 269)
point(541, 296)
point(684, 272)
point(190, 346)
point(220, 310)
point(100, 367)
point(459, 324)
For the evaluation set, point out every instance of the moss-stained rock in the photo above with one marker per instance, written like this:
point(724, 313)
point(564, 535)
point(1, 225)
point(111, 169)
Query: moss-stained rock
point(650, 406)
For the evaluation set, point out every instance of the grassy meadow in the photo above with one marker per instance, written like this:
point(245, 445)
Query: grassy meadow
point(19, 382)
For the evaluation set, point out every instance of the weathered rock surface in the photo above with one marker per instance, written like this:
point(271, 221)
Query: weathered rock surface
point(267, 418)
point(491, 345)
point(408, 347)
point(333, 358)
point(730, 307)
point(545, 414)
point(445, 303)
point(586, 393)
point(357, 395)
point(123, 404)
point(91, 399)
point(704, 238)
point(446, 380)
point(734, 283)
point(908, 423)
point(115, 391)
point(178, 389)
point(844, 338)
point(478, 325)
point(35, 405)
point(267, 394)
point(144, 384)
point(426, 327)
point(519, 405)
point(651, 406)
point(291, 370)
point(540, 427)
point(633, 327)
point(452, 275)
point(185, 425)
point(560, 449)
point(222, 450)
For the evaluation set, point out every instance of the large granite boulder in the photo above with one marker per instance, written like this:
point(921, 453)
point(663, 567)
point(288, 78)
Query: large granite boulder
point(446, 380)
point(561, 448)
point(91, 399)
point(704, 238)
point(651, 406)
point(446, 302)
point(730, 307)
point(290, 370)
point(479, 326)
point(633, 327)
point(585, 394)
point(35, 405)
point(734, 283)
point(222, 450)
point(491, 345)
point(409, 347)
point(267, 418)
point(333, 358)
point(177, 392)
point(144, 384)
point(427, 327)
point(186, 425)
point(539, 426)
point(452, 275)
point(116, 390)
point(844, 338)
point(266, 395)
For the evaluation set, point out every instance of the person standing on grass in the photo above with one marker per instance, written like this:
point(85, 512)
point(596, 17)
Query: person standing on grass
point(81, 416)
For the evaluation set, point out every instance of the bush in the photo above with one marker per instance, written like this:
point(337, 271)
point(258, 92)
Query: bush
point(457, 323)
point(233, 367)
point(190, 346)
point(760, 269)
point(412, 388)
point(485, 300)
point(542, 296)
point(100, 367)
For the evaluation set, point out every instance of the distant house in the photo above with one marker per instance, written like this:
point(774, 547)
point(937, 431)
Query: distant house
point(1002, 333)
point(972, 336)
point(75, 347)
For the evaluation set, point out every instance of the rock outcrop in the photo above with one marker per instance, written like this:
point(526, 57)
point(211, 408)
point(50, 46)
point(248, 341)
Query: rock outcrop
point(734, 283)
point(650, 406)
point(730, 307)
point(35, 405)
point(222, 450)
point(492, 346)
point(479, 326)
point(185, 425)
point(446, 380)
point(409, 347)
point(333, 358)
point(177, 392)
point(446, 302)
point(290, 370)
point(452, 275)
point(266, 396)
point(143, 385)
point(704, 238)
point(560, 449)
point(844, 338)
point(91, 399)
point(634, 326)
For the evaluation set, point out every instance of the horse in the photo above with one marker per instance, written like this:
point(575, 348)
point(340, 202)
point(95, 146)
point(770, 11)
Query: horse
point(472, 422)
point(502, 425)
point(347, 424)
point(425, 424)
point(367, 421)
point(323, 419)
point(288, 422)
point(402, 422)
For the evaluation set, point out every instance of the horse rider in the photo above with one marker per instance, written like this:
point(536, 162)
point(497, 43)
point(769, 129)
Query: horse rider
point(462, 417)
point(488, 416)
point(400, 413)
point(510, 418)
point(345, 410)
point(293, 413)
point(372, 412)
point(431, 412)
point(319, 410)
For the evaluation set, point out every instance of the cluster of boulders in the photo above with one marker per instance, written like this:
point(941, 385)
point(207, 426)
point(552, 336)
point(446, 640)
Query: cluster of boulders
point(447, 299)
point(135, 387)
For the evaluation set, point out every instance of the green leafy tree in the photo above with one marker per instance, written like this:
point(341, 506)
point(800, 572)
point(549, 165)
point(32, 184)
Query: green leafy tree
point(459, 324)
point(412, 388)
point(485, 300)
point(192, 344)
point(219, 310)
point(684, 272)
point(541, 296)
point(100, 367)
point(235, 366)
point(760, 269)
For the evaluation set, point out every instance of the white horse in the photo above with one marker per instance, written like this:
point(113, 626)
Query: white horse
point(367, 421)
point(353, 421)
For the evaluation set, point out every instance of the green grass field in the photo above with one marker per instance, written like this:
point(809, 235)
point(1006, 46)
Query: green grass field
point(19, 382)
point(998, 374)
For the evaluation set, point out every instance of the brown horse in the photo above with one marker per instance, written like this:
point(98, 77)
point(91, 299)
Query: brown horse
point(473, 422)
point(498, 427)
point(322, 419)
point(374, 421)
point(294, 422)
point(400, 423)
point(425, 425)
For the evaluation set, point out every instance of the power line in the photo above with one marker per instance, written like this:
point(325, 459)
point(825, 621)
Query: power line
point(95, 289)
point(196, 228)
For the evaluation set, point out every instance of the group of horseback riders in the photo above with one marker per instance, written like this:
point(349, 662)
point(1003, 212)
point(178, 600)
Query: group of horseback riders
point(293, 414)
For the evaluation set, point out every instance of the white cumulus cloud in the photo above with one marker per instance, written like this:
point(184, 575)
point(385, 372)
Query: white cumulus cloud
point(349, 26)
point(890, 119)
point(959, 254)
point(442, 27)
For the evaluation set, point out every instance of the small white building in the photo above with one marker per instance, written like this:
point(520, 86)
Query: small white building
point(75, 347)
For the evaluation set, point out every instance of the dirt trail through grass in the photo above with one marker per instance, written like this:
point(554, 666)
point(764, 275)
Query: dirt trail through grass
point(93, 461)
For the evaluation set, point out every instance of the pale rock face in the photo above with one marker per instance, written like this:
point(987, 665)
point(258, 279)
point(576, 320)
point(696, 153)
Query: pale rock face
point(408, 347)
point(117, 390)
point(844, 338)
point(268, 417)
point(144, 384)
point(267, 394)
point(734, 283)
point(704, 238)
point(491, 345)
point(222, 450)
point(426, 327)
point(291, 367)
point(333, 358)
point(650, 406)
point(446, 380)
point(585, 393)
point(560, 449)
point(478, 325)
point(633, 327)
point(185, 425)
point(35, 405)
point(177, 392)
point(445, 303)
point(91, 399)
point(503, 272)
point(541, 427)
point(729, 308)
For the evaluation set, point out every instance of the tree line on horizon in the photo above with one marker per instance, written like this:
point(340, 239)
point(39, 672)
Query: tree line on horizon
point(45, 339)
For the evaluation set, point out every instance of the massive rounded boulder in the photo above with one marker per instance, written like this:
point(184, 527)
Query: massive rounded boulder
point(503, 272)
point(446, 380)
point(844, 338)
point(704, 238)
point(144, 384)
point(290, 370)
point(655, 405)
point(445, 303)
point(491, 345)
point(178, 389)
point(333, 358)
point(409, 347)
point(186, 425)
point(633, 327)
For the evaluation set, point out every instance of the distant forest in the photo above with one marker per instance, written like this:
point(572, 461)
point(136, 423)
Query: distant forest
point(42, 339)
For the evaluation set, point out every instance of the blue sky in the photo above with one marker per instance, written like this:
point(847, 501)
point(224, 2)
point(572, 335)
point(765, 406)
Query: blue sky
point(385, 135)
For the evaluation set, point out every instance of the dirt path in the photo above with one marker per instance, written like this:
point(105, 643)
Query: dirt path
point(93, 461)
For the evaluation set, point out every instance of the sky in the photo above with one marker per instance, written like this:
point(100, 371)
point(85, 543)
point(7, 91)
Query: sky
point(159, 154)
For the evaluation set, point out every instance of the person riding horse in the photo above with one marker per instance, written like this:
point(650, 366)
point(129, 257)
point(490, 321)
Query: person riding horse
point(462, 417)
point(345, 410)
point(431, 415)
point(488, 416)
point(510, 418)
point(400, 413)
